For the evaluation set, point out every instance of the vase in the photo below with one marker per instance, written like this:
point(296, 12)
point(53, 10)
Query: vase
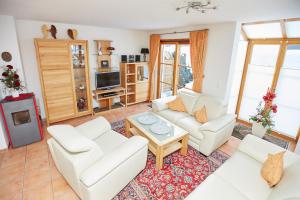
point(15, 93)
point(258, 129)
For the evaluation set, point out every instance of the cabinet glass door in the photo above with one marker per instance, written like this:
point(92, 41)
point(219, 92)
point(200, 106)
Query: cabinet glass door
point(79, 71)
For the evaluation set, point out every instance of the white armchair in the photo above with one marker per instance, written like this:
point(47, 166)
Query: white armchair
point(204, 137)
point(96, 161)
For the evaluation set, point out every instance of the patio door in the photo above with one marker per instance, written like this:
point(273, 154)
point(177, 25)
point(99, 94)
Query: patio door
point(175, 71)
point(167, 69)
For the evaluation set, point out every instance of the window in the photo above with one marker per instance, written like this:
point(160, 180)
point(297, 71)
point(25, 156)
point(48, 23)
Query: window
point(259, 78)
point(175, 68)
point(272, 61)
point(185, 76)
point(268, 30)
point(293, 29)
point(287, 119)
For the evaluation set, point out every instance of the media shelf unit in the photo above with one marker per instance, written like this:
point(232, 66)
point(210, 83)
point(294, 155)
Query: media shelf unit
point(105, 98)
point(135, 80)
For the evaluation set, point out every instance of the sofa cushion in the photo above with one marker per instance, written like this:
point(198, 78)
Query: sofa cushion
point(272, 168)
point(172, 116)
point(161, 104)
point(110, 140)
point(288, 187)
point(177, 105)
point(192, 126)
point(69, 138)
point(214, 107)
point(94, 128)
point(215, 188)
point(189, 99)
point(201, 115)
point(243, 172)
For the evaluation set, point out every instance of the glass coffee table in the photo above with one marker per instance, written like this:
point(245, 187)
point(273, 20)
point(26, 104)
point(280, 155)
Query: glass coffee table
point(160, 144)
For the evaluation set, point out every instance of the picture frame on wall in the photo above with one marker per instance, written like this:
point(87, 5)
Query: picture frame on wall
point(104, 64)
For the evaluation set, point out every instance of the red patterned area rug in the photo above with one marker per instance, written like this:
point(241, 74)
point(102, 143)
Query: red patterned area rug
point(179, 177)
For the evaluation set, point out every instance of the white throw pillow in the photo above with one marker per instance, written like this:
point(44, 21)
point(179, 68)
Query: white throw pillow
point(189, 99)
point(214, 107)
point(68, 137)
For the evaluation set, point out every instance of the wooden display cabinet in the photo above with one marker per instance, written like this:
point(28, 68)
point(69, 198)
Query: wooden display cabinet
point(64, 77)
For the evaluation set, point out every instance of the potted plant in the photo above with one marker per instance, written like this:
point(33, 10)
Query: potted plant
point(11, 80)
point(262, 121)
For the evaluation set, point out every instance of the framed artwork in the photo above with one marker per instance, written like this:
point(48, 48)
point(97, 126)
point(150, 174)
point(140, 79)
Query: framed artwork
point(104, 64)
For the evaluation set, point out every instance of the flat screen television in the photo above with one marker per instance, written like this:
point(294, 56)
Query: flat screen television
point(107, 80)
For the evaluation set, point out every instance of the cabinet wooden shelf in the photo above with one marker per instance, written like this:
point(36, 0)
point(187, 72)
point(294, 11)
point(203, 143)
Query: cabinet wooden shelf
point(134, 78)
point(64, 77)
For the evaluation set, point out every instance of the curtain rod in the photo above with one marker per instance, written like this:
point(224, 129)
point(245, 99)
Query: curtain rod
point(176, 32)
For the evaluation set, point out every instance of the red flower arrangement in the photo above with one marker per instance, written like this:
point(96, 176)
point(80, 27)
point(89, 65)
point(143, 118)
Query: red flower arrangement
point(264, 114)
point(11, 79)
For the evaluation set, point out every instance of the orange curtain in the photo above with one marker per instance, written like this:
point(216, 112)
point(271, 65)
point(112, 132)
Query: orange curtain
point(154, 49)
point(198, 40)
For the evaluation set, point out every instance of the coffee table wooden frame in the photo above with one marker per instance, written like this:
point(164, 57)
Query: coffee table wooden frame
point(159, 148)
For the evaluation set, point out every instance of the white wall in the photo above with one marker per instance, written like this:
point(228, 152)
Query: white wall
point(220, 56)
point(9, 42)
point(125, 41)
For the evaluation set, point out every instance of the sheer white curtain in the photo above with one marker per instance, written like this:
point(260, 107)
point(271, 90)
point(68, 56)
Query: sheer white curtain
point(287, 119)
point(259, 78)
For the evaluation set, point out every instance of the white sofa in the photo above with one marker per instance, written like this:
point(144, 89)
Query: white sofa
point(204, 137)
point(239, 177)
point(96, 161)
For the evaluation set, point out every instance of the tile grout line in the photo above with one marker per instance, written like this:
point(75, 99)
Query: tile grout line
point(50, 171)
point(22, 193)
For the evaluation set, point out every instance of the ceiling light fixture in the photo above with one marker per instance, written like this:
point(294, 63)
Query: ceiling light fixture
point(198, 6)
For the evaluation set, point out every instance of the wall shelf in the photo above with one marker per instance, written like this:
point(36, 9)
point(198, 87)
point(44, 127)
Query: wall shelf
point(134, 78)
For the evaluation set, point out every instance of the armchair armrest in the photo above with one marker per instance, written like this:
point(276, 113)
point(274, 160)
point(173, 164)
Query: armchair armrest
point(161, 104)
point(217, 124)
point(94, 128)
point(112, 160)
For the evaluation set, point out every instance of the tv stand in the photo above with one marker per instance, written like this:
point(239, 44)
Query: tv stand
point(105, 98)
point(110, 94)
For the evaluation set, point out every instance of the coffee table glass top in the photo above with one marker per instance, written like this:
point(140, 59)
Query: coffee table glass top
point(174, 131)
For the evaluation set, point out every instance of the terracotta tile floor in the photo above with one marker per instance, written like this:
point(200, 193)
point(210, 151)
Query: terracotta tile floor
point(29, 173)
